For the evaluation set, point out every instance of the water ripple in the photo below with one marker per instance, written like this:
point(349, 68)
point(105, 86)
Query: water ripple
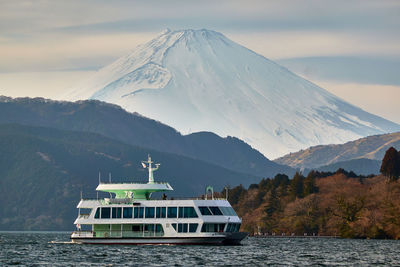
point(55, 249)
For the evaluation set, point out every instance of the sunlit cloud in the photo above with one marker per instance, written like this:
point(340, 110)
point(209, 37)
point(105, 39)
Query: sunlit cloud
point(46, 45)
point(381, 100)
point(59, 52)
point(40, 84)
point(280, 45)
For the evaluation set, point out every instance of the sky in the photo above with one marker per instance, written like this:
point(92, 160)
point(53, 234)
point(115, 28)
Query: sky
point(350, 48)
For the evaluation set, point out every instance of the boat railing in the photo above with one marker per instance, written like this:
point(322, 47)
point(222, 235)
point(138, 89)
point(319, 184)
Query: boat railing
point(132, 183)
point(131, 200)
point(83, 234)
point(84, 216)
point(91, 199)
point(116, 233)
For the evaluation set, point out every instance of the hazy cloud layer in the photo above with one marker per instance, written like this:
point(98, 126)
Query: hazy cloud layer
point(347, 69)
point(347, 44)
point(62, 32)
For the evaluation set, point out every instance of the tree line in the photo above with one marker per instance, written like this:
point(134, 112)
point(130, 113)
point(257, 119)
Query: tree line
point(339, 203)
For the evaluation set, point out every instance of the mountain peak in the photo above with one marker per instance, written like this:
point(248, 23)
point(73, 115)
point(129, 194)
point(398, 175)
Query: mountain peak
point(192, 35)
point(199, 80)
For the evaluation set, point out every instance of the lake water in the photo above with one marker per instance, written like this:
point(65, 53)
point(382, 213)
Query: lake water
point(54, 249)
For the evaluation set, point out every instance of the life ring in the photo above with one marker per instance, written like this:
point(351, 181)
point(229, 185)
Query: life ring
point(105, 234)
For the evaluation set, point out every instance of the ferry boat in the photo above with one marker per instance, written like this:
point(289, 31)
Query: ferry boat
point(130, 216)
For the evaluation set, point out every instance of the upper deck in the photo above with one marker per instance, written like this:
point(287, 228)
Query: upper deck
point(136, 191)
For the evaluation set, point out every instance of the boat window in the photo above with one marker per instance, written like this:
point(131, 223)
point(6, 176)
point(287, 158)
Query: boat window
point(127, 212)
point(97, 215)
point(137, 228)
point(193, 227)
point(233, 227)
point(228, 211)
point(180, 214)
point(184, 227)
point(213, 227)
point(215, 211)
point(149, 212)
point(116, 212)
point(161, 212)
point(172, 212)
point(105, 213)
point(159, 228)
point(138, 212)
point(149, 227)
point(237, 228)
point(189, 212)
point(205, 211)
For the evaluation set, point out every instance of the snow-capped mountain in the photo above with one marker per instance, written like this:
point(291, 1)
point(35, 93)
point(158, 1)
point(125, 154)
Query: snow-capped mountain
point(199, 80)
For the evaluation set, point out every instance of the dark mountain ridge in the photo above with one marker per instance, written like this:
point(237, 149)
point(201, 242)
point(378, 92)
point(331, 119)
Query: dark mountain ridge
point(112, 121)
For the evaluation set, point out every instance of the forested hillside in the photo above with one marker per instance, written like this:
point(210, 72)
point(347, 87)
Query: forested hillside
point(334, 204)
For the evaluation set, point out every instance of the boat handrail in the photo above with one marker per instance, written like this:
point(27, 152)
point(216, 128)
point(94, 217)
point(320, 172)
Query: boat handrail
point(132, 183)
point(131, 200)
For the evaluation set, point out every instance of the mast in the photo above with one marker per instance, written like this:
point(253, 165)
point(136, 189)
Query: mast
point(150, 168)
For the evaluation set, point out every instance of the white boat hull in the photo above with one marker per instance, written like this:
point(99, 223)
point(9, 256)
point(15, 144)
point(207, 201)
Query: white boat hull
point(229, 239)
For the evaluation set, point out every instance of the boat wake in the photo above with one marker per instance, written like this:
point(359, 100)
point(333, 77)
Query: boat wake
point(62, 242)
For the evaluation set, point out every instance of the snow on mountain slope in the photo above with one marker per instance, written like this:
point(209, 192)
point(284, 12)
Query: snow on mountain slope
point(199, 80)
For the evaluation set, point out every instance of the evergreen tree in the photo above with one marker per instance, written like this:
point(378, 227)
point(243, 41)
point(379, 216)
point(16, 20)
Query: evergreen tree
point(309, 184)
point(235, 194)
point(272, 203)
point(297, 186)
point(280, 179)
point(391, 164)
point(281, 182)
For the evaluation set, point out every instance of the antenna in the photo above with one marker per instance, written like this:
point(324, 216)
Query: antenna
point(81, 194)
point(109, 177)
point(99, 177)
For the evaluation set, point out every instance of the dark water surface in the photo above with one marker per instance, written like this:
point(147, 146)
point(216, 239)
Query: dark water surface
point(38, 249)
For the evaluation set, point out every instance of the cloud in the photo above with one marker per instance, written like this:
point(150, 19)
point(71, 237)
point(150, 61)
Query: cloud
point(281, 45)
point(70, 51)
point(322, 40)
point(381, 100)
point(61, 52)
point(133, 16)
point(365, 70)
point(40, 84)
point(54, 35)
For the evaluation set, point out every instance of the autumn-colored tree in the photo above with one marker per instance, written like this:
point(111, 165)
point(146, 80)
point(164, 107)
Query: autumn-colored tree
point(391, 164)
